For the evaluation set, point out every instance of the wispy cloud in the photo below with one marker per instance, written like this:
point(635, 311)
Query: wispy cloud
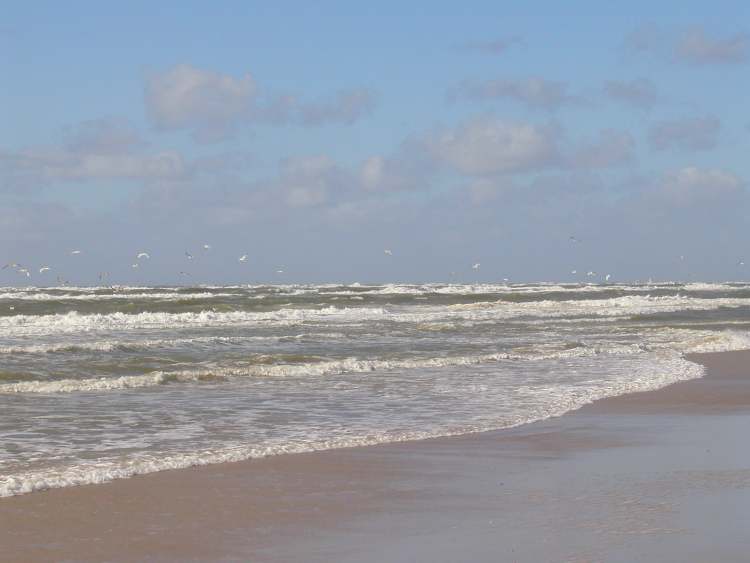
point(487, 145)
point(639, 92)
point(535, 92)
point(492, 46)
point(691, 134)
point(696, 46)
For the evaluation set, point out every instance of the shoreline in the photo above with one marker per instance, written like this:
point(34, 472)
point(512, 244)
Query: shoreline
point(397, 500)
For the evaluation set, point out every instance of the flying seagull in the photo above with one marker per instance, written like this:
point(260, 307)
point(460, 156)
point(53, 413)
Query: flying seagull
point(74, 252)
point(44, 269)
point(388, 252)
point(188, 255)
point(606, 278)
point(741, 263)
point(24, 271)
point(143, 255)
point(243, 258)
point(206, 247)
point(135, 265)
point(13, 265)
point(476, 266)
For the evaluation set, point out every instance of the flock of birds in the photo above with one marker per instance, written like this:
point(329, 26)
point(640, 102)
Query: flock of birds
point(142, 256)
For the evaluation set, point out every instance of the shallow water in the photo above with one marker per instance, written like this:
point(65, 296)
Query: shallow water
point(102, 383)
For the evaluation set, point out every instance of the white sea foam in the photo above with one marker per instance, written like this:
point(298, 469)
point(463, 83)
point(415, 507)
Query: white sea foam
point(162, 296)
point(480, 311)
point(549, 402)
point(670, 341)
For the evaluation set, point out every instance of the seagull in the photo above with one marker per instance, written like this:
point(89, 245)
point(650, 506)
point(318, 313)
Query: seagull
point(44, 269)
point(143, 255)
point(13, 265)
point(388, 252)
point(74, 252)
point(24, 271)
point(279, 271)
point(134, 265)
point(476, 266)
point(590, 273)
point(574, 272)
point(606, 278)
point(243, 258)
point(188, 255)
point(573, 239)
point(741, 263)
point(206, 247)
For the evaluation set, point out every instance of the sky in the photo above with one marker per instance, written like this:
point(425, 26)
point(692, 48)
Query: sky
point(533, 138)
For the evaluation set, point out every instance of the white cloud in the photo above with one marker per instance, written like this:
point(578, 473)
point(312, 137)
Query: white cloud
point(57, 164)
point(102, 136)
point(535, 92)
point(206, 102)
point(640, 92)
point(486, 145)
point(309, 181)
point(212, 105)
point(345, 107)
point(93, 150)
point(692, 46)
point(691, 185)
point(692, 134)
point(610, 148)
point(695, 46)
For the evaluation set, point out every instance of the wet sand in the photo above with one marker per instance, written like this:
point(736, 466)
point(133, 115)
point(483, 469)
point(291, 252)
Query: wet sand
point(656, 476)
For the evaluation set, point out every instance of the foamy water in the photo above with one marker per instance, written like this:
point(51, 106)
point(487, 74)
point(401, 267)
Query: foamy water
point(105, 383)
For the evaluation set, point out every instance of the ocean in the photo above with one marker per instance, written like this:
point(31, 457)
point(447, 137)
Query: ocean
point(101, 383)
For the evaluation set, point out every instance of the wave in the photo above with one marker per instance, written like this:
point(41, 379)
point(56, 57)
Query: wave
point(483, 311)
point(559, 400)
point(172, 296)
point(670, 341)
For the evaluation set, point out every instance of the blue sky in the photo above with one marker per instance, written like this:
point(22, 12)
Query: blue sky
point(314, 137)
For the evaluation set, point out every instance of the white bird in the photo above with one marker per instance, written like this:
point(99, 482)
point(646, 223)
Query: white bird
point(741, 263)
point(44, 269)
point(24, 271)
point(13, 265)
point(606, 278)
point(243, 258)
point(74, 252)
point(476, 266)
point(279, 271)
point(590, 273)
point(143, 255)
point(388, 252)
point(574, 272)
point(206, 247)
point(188, 255)
point(134, 265)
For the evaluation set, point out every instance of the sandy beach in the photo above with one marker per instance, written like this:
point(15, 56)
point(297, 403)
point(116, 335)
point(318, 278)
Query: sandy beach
point(654, 476)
